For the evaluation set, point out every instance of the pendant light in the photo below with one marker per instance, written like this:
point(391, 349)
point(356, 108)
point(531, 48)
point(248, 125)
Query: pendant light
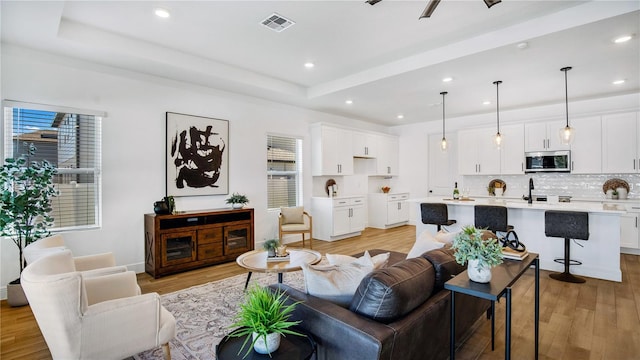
point(443, 143)
point(566, 133)
point(498, 138)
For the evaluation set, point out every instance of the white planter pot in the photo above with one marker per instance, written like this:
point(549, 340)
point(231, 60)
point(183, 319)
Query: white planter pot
point(237, 206)
point(15, 294)
point(273, 343)
point(478, 273)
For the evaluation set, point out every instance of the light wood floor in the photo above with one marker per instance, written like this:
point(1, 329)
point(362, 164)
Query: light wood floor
point(596, 320)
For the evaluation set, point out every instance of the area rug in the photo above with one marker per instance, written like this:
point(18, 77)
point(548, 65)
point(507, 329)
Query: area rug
point(203, 314)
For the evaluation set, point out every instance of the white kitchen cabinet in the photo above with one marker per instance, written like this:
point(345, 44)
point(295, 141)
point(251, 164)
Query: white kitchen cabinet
point(388, 210)
point(512, 151)
point(544, 136)
point(387, 155)
point(477, 153)
point(629, 235)
point(364, 144)
point(620, 145)
point(331, 152)
point(586, 148)
point(337, 218)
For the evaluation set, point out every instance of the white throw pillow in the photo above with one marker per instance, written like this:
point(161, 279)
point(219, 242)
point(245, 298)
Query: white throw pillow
point(335, 283)
point(425, 242)
point(446, 237)
point(378, 261)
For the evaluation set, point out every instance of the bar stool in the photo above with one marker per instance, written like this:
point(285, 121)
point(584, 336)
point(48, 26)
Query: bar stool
point(495, 219)
point(567, 225)
point(435, 214)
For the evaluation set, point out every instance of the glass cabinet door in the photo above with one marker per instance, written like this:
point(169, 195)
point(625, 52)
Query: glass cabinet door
point(237, 239)
point(178, 248)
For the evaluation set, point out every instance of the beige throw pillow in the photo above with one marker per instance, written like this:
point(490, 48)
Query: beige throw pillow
point(292, 215)
point(335, 283)
point(378, 261)
point(446, 237)
point(425, 242)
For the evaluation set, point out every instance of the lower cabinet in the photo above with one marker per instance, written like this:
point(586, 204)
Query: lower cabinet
point(337, 218)
point(629, 235)
point(388, 210)
point(189, 240)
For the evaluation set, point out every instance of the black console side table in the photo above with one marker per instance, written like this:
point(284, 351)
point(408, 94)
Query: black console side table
point(503, 277)
point(292, 347)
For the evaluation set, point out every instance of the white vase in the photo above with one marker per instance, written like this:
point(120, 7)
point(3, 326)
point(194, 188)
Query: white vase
point(480, 273)
point(237, 205)
point(273, 343)
point(622, 193)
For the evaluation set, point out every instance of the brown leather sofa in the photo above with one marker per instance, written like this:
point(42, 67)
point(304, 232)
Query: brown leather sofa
point(398, 312)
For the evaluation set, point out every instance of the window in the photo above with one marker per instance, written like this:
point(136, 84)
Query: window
point(284, 171)
point(70, 139)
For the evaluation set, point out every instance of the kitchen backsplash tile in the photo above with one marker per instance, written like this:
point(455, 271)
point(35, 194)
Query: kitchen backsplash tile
point(576, 186)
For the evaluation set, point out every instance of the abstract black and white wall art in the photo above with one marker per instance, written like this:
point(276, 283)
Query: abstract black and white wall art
point(197, 155)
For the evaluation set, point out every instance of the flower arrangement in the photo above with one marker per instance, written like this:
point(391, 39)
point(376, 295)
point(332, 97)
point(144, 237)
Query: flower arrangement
point(263, 313)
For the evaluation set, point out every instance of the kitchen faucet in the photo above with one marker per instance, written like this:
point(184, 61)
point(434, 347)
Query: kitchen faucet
point(530, 188)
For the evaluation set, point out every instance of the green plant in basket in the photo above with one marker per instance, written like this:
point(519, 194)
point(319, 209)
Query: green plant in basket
point(469, 244)
point(237, 198)
point(263, 313)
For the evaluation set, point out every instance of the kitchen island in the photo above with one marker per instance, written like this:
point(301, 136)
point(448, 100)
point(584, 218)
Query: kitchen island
point(600, 255)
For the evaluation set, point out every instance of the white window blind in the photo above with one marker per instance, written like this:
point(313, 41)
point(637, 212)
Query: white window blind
point(71, 140)
point(284, 171)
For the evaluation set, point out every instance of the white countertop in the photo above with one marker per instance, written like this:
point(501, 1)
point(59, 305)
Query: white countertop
point(592, 207)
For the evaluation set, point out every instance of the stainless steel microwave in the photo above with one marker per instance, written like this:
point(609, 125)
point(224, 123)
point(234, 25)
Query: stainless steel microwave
point(548, 161)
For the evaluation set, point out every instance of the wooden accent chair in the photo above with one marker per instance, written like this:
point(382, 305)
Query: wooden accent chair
point(294, 220)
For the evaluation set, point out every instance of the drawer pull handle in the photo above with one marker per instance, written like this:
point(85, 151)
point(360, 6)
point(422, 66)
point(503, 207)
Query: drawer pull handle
point(192, 219)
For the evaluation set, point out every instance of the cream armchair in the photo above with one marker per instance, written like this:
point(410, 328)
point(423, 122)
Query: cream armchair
point(55, 243)
point(294, 220)
point(97, 314)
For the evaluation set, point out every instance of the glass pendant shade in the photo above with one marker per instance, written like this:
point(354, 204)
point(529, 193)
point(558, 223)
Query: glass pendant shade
point(443, 144)
point(566, 133)
point(498, 140)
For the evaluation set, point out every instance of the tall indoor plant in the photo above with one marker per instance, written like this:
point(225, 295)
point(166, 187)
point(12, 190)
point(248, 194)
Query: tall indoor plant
point(26, 189)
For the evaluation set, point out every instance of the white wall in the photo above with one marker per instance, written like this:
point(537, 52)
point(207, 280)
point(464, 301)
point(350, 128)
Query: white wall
point(133, 160)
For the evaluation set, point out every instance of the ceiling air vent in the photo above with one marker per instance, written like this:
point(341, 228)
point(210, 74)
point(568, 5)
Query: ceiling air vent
point(277, 22)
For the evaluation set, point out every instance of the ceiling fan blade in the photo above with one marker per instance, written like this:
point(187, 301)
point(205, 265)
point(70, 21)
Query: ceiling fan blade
point(372, 2)
point(431, 7)
point(490, 3)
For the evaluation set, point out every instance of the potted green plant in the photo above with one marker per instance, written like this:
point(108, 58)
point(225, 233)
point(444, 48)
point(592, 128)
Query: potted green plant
point(263, 318)
point(237, 201)
point(480, 251)
point(26, 189)
point(271, 246)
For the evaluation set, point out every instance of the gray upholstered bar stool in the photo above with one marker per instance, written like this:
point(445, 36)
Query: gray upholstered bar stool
point(435, 214)
point(567, 225)
point(491, 217)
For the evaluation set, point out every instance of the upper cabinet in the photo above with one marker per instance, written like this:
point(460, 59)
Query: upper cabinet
point(586, 148)
point(620, 145)
point(330, 151)
point(544, 136)
point(512, 151)
point(387, 157)
point(364, 144)
point(477, 154)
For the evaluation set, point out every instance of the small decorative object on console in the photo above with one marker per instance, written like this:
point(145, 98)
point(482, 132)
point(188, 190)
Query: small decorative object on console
point(385, 189)
point(237, 200)
point(481, 249)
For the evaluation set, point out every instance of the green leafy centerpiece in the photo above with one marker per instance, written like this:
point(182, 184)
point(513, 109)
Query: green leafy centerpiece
point(271, 246)
point(26, 189)
point(265, 317)
point(481, 249)
point(237, 200)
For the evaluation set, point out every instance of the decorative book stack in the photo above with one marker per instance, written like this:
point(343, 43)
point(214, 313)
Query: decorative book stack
point(279, 258)
point(509, 253)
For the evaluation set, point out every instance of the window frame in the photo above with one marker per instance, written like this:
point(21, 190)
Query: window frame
point(297, 172)
point(6, 151)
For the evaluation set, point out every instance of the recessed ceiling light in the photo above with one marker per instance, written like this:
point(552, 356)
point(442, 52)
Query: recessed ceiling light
point(400, 116)
point(619, 82)
point(309, 65)
point(349, 102)
point(486, 102)
point(163, 13)
point(523, 45)
point(447, 79)
point(622, 39)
